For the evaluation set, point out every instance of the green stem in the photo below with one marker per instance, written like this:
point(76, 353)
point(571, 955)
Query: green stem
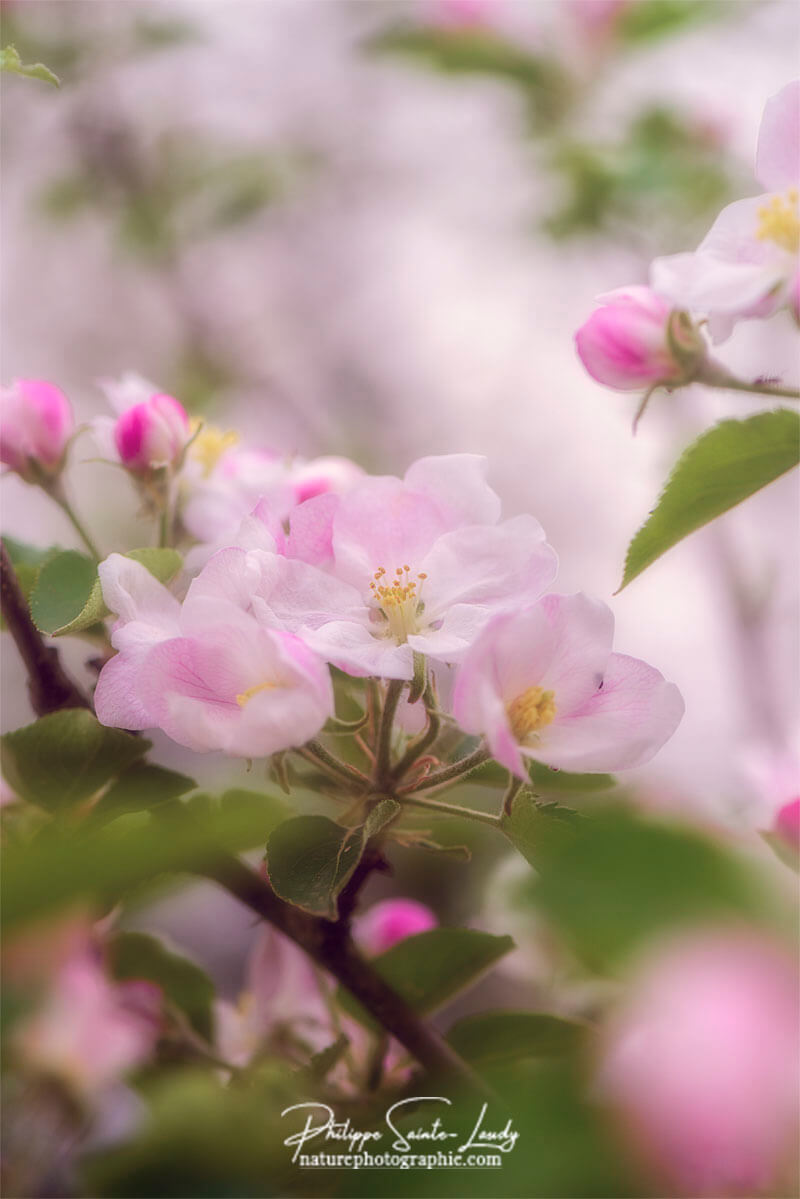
point(448, 809)
point(72, 517)
point(314, 751)
point(384, 747)
point(417, 748)
point(714, 374)
point(448, 774)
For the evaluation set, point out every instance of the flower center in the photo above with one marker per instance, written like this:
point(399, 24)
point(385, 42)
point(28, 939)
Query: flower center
point(209, 443)
point(399, 600)
point(245, 696)
point(531, 711)
point(779, 221)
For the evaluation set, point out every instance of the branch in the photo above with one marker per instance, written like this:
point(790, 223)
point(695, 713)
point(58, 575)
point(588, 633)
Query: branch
point(49, 687)
point(331, 947)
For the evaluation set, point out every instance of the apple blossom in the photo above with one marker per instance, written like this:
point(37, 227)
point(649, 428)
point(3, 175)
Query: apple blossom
point(747, 264)
point(543, 683)
point(390, 921)
point(152, 434)
point(89, 1031)
point(701, 1061)
point(635, 340)
point(36, 423)
point(413, 565)
point(222, 683)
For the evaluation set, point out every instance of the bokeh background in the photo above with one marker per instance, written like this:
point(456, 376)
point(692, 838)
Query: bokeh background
point(318, 223)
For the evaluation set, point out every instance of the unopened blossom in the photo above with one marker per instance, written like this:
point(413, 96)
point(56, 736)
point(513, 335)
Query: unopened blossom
point(89, 1031)
point(701, 1062)
point(774, 778)
point(36, 423)
point(543, 683)
point(390, 568)
point(635, 340)
point(747, 265)
point(390, 921)
point(217, 681)
point(152, 434)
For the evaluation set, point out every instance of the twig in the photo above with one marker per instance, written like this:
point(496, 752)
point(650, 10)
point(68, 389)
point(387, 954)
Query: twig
point(49, 687)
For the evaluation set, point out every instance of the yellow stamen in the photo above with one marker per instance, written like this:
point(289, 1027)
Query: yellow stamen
point(531, 711)
point(210, 444)
point(398, 600)
point(779, 221)
point(247, 695)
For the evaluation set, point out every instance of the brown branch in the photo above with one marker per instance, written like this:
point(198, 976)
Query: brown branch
point(331, 947)
point(49, 687)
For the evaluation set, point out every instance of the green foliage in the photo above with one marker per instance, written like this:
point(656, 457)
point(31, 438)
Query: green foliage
point(66, 757)
point(68, 598)
point(647, 20)
point(625, 878)
point(547, 781)
point(65, 865)
point(481, 52)
point(723, 467)
point(26, 560)
point(500, 1036)
point(430, 968)
point(310, 858)
point(141, 787)
point(185, 985)
point(10, 61)
point(539, 830)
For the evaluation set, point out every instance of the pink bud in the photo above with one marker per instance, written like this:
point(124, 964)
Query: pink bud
point(391, 921)
point(152, 433)
point(787, 823)
point(322, 475)
point(626, 343)
point(35, 426)
point(702, 1062)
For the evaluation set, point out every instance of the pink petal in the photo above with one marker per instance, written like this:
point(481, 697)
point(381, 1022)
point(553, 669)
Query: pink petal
point(457, 485)
point(778, 153)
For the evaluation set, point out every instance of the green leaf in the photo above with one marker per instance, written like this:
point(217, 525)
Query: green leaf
point(430, 968)
point(509, 1036)
point(539, 830)
point(310, 859)
point(625, 878)
point(66, 757)
point(723, 467)
point(68, 597)
point(11, 61)
point(138, 956)
point(141, 787)
point(26, 560)
point(67, 865)
point(650, 19)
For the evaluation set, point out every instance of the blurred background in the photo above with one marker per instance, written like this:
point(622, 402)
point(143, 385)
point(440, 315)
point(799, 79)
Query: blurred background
point(371, 228)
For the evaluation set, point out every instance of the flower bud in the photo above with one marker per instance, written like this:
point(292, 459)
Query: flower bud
point(391, 921)
point(787, 824)
point(151, 434)
point(701, 1063)
point(35, 425)
point(635, 340)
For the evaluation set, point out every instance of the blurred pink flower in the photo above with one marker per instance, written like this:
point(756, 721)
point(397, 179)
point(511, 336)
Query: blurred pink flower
point(747, 264)
point(89, 1032)
point(209, 675)
point(282, 994)
point(787, 824)
point(151, 434)
point(390, 921)
point(701, 1062)
point(543, 683)
point(462, 14)
point(36, 422)
point(630, 343)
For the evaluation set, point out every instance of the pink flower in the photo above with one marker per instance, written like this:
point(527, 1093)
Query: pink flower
point(787, 824)
point(634, 340)
point(282, 993)
point(391, 921)
point(35, 424)
point(747, 264)
point(209, 675)
point(401, 566)
point(152, 433)
point(701, 1061)
point(543, 683)
point(89, 1031)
